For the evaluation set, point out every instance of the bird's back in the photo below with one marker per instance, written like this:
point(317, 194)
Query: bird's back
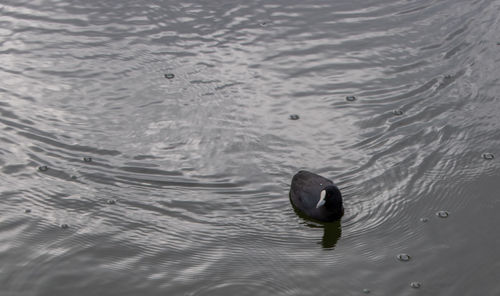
point(305, 190)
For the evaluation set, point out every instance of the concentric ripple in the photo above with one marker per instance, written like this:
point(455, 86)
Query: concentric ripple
point(148, 147)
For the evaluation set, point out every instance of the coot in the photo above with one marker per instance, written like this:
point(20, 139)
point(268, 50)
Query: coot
point(316, 197)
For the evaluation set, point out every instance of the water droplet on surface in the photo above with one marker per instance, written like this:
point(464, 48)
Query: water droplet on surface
point(366, 291)
point(403, 257)
point(169, 75)
point(350, 98)
point(415, 285)
point(424, 219)
point(43, 168)
point(64, 226)
point(442, 214)
point(488, 156)
point(294, 117)
point(397, 112)
point(87, 159)
point(111, 201)
point(27, 211)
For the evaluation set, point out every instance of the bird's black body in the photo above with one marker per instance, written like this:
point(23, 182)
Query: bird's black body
point(305, 193)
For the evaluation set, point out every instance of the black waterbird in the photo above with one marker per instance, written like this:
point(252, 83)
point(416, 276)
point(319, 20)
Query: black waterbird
point(316, 197)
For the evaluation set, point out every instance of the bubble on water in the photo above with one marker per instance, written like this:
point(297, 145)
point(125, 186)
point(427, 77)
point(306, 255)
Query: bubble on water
point(366, 291)
point(350, 98)
point(27, 211)
point(415, 285)
point(488, 156)
point(64, 226)
point(403, 257)
point(294, 117)
point(43, 168)
point(169, 75)
point(442, 214)
point(424, 219)
point(397, 112)
point(111, 201)
point(87, 159)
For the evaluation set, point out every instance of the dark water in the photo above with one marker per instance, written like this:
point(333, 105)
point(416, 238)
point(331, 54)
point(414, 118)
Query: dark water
point(179, 185)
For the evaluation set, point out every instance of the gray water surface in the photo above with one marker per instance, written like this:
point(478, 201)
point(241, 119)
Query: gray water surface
point(118, 179)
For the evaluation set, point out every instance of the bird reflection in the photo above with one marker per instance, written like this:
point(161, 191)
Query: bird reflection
point(331, 234)
point(332, 231)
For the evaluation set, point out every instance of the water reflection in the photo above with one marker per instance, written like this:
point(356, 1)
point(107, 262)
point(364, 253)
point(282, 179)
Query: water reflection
point(332, 231)
point(331, 234)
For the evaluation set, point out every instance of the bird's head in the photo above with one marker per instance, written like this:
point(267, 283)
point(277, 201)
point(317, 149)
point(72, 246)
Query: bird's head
point(330, 198)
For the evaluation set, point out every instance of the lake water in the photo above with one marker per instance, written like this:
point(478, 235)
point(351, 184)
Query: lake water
point(147, 147)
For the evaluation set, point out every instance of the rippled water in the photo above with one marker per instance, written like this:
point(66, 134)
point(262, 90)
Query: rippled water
point(148, 146)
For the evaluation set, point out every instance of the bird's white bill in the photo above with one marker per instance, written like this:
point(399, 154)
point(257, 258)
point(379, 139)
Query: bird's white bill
point(321, 199)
